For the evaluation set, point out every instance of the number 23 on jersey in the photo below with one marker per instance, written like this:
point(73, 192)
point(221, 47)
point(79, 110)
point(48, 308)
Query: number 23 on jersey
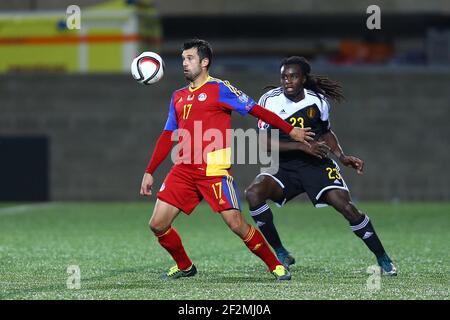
point(299, 120)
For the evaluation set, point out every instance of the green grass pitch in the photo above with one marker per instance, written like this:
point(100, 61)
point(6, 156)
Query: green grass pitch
point(120, 259)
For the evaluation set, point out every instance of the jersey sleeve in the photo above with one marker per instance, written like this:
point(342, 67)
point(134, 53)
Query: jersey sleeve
point(261, 125)
point(171, 123)
point(325, 114)
point(234, 99)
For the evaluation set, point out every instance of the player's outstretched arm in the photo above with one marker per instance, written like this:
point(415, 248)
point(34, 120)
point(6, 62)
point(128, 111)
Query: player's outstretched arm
point(317, 149)
point(299, 134)
point(302, 135)
point(331, 140)
point(162, 149)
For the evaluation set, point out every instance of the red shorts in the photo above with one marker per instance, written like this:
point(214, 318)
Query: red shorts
point(185, 186)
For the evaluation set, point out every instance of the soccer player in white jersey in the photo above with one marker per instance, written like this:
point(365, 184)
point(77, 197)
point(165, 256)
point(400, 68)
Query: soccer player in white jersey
point(302, 100)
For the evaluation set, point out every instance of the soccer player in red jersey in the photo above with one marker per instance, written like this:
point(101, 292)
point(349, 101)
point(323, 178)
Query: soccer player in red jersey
point(202, 170)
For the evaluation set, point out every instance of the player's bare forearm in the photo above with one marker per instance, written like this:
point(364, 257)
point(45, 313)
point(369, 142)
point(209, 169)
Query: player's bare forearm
point(288, 146)
point(331, 140)
point(283, 146)
point(315, 148)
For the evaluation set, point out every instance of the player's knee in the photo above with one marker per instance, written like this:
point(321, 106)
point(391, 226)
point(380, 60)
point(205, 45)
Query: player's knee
point(157, 227)
point(236, 225)
point(253, 195)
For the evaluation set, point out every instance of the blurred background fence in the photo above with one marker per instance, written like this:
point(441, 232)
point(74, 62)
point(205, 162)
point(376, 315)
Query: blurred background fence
point(75, 126)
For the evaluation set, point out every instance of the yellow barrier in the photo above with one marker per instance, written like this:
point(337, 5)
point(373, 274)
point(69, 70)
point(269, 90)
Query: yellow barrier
point(109, 38)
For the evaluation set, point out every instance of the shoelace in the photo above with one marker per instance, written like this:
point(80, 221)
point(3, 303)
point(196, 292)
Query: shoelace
point(173, 271)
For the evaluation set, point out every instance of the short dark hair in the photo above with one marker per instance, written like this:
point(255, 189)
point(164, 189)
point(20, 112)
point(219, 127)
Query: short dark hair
point(204, 49)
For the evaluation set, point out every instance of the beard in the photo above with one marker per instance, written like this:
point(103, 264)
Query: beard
point(192, 75)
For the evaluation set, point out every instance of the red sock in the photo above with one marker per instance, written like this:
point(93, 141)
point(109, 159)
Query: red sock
point(171, 241)
point(256, 243)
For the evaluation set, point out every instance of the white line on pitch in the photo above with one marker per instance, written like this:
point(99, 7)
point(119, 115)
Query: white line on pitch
point(24, 208)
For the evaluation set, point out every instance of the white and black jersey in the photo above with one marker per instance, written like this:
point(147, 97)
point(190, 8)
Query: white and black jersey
point(312, 111)
point(299, 172)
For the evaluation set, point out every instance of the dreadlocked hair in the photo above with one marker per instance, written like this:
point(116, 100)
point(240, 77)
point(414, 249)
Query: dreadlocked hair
point(317, 83)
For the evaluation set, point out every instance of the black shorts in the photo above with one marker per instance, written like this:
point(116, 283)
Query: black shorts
point(313, 178)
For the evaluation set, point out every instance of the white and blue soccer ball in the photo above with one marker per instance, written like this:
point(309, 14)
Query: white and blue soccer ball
point(147, 68)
